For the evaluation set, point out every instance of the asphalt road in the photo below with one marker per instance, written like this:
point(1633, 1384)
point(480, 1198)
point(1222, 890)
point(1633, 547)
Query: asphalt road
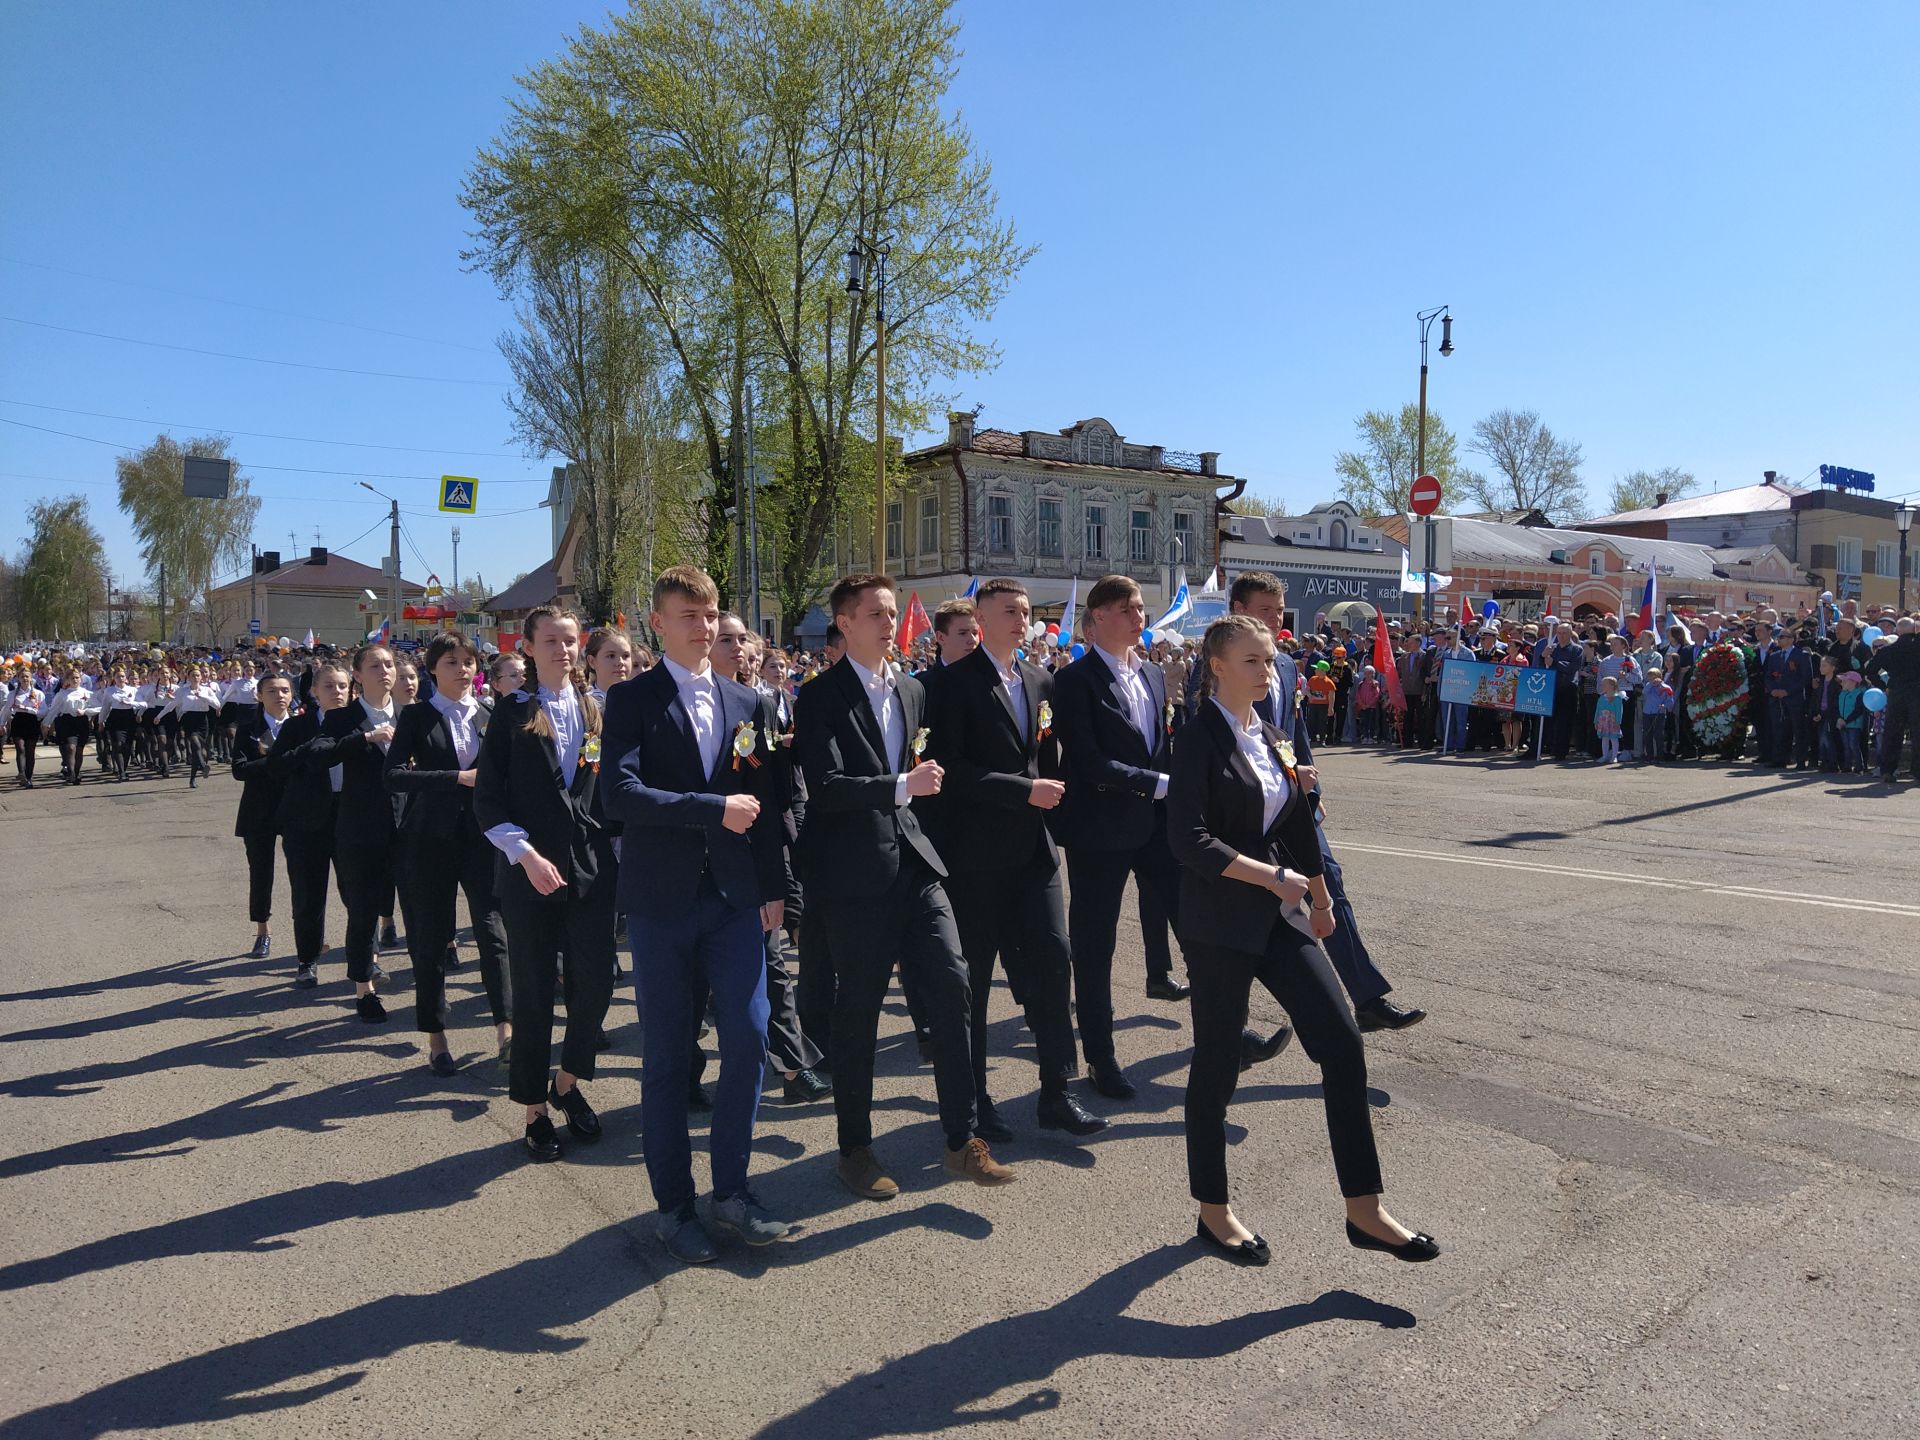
point(1663, 1118)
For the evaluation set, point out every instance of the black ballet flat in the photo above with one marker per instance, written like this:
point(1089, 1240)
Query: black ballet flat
point(1247, 1252)
point(1420, 1247)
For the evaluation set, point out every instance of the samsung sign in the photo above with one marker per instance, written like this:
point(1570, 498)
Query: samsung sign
point(1842, 478)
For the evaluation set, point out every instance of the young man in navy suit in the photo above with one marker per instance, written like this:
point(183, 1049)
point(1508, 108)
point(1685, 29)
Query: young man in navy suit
point(702, 881)
point(1115, 727)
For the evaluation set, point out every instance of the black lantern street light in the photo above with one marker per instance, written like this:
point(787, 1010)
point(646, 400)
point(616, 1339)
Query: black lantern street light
point(1426, 319)
point(867, 262)
point(1903, 522)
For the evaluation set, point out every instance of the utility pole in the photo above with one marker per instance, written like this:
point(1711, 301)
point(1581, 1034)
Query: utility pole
point(456, 559)
point(393, 580)
point(253, 596)
point(753, 527)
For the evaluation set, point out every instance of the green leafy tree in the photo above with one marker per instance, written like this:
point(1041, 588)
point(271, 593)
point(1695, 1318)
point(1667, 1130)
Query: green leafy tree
point(187, 536)
point(1533, 469)
point(727, 154)
point(61, 571)
point(1641, 489)
point(1375, 477)
point(1257, 505)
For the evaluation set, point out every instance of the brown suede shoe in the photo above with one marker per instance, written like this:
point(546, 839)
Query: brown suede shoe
point(861, 1173)
point(973, 1161)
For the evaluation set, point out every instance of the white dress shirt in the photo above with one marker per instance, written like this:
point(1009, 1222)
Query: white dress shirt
point(1016, 690)
point(569, 732)
point(337, 774)
point(1139, 702)
point(244, 691)
point(700, 696)
point(883, 696)
point(1252, 741)
point(71, 701)
point(463, 721)
point(273, 725)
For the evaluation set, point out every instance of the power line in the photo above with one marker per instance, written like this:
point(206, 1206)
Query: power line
point(269, 435)
point(255, 359)
point(243, 305)
point(256, 494)
point(251, 465)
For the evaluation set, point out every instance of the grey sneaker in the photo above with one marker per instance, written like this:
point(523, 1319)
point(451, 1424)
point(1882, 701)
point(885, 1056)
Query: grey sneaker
point(305, 978)
point(743, 1215)
point(686, 1238)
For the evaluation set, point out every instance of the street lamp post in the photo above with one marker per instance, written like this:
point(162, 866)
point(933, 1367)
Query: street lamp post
point(1426, 319)
point(1903, 522)
point(393, 555)
point(871, 256)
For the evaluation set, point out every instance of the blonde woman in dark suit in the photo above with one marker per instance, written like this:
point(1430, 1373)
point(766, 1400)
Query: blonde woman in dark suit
point(1241, 826)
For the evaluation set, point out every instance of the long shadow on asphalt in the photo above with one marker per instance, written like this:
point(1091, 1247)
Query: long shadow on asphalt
point(941, 1387)
point(513, 1311)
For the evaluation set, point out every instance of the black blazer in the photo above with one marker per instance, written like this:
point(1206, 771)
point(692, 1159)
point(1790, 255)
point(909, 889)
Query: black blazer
point(1214, 813)
point(260, 798)
point(423, 769)
point(520, 783)
point(306, 796)
point(1111, 772)
point(984, 820)
point(670, 808)
point(851, 841)
point(368, 812)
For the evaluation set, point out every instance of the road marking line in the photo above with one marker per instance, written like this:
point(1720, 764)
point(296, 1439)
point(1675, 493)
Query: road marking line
point(1704, 887)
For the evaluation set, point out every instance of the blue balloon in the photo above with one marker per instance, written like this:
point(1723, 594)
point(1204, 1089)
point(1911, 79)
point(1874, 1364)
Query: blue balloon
point(1874, 700)
point(1078, 651)
point(1146, 636)
point(1871, 634)
point(1019, 654)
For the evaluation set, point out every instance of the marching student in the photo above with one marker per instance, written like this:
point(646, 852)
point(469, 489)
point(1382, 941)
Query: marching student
point(1114, 724)
point(989, 718)
point(260, 801)
point(305, 818)
point(352, 743)
point(536, 800)
point(860, 734)
point(153, 697)
point(22, 723)
point(119, 706)
point(1241, 825)
point(431, 766)
point(703, 882)
point(239, 693)
point(196, 702)
point(609, 659)
point(66, 715)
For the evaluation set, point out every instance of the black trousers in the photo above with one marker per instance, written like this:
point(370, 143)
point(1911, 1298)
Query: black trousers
point(260, 877)
point(1293, 968)
point(308, 853)
point(1097, 882)
point(1901, 726)
point(787, 1044)
point(913, 923)
point(364, 870)
point(433, 868)
point(537, 931)
point(1019, 915)
point(815, 987)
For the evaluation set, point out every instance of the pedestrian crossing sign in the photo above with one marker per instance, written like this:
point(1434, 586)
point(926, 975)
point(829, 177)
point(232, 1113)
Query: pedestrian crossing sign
point(459, 494)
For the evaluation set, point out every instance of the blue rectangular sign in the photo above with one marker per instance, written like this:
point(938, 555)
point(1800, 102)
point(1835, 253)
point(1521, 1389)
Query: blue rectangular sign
point(1522, 689)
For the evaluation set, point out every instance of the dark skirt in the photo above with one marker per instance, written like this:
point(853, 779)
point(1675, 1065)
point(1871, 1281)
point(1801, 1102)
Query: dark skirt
point(24, 727)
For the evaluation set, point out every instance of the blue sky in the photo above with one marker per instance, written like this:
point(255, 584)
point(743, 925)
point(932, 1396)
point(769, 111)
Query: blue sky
point(1681, 232)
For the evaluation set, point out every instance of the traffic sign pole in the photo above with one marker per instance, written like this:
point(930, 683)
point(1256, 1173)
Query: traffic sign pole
point(1423, 498)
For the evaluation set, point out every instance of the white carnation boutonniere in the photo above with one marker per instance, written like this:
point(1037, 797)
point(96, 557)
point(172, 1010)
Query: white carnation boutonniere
point(1168, 717)
point(590, 753)
point(919, 745)
point(746, 746)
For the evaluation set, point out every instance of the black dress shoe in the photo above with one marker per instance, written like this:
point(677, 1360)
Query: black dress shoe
point(452, 962)
point(806, 1087)
point(543, 1144)
point(1383, 1014)
point(441, 1062)
point(1111, 1081)
point(370, 1009)
point(262, 947)
point(1165, 987)
point(581, 1120)
point(1247, 1252)
point(1420, 1247)
point(697, 1097)
point(389, 938)
point(1255, 1050)
point(1058, 1110)
point(990, 1127)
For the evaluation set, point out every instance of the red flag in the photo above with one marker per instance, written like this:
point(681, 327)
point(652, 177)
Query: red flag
point(1383, 662)
point(913, 624)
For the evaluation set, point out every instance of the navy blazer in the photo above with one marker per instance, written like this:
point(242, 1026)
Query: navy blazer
point(519, 781)
point(1112, 773)
point(670, 808)
point(260, 800)
point(983, 818)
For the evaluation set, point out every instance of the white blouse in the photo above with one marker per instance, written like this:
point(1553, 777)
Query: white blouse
point(1252, 741)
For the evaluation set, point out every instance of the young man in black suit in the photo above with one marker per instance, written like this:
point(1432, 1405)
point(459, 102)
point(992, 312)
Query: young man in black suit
point(254, 734)
point(304, 817)
point(861, 736)
point(1115, 732)
point(691, 778)
point(990, 716)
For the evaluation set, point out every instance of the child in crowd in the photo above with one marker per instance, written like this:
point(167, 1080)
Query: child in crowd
point(1826, 714)
point(1341, 672)
point(1607, 712)
point(1366, 702)
point(1656, 711)
point(1853, 724)
point(1320, 689)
